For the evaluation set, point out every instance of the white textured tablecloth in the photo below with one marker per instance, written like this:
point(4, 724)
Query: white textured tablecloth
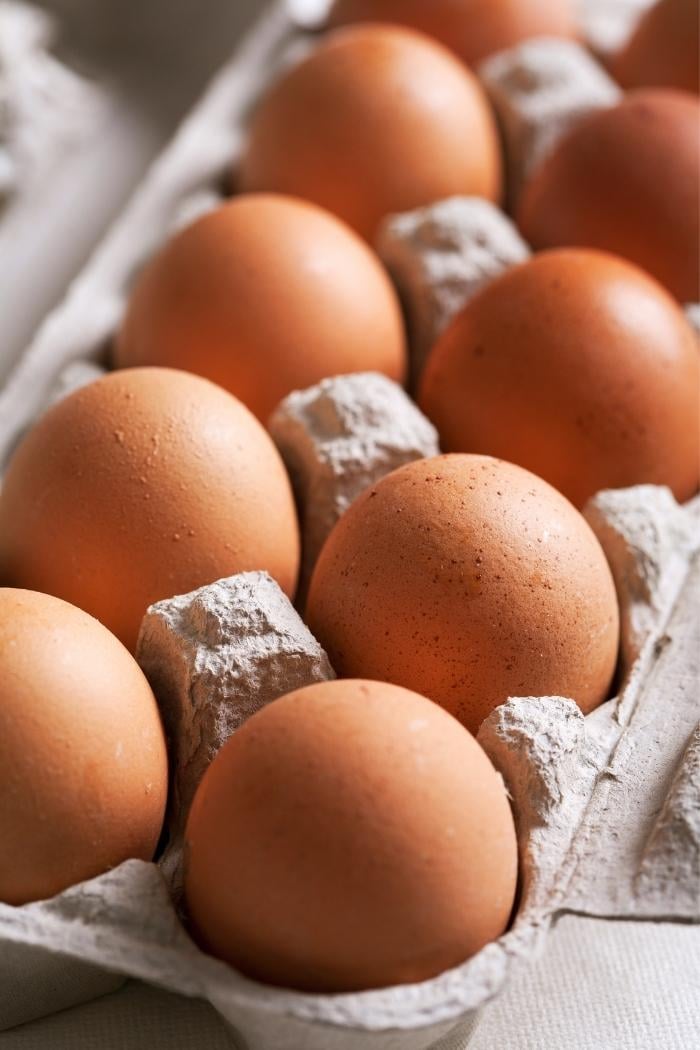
point(601, 985)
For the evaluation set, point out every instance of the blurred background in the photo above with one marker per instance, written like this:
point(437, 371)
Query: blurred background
point(136, 69)
point(144, 65)
point(156, 56)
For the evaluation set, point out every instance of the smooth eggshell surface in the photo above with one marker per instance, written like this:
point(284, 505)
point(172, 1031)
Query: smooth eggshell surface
point(351, 835)
point(625, 179)
point(144, 484)
point(265, 295)
point(664, 50)
point(378, 119)
point(473, 29)
point(469, 580)
point(83, 766)
point(577, 366)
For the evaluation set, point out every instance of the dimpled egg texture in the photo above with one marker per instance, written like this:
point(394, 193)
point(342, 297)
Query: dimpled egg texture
point(469, 580)
point(144, 484)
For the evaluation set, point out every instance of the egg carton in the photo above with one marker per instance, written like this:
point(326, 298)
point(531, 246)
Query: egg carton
point(607, 807)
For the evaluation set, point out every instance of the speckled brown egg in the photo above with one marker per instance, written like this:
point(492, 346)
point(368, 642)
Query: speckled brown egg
point(469, 580)
point(625, 179)
point(473, 29)
point(83, 766)
point(664, 49)
point(351, 835)
point(578, 366)
point(377, 119)
point(265, 295)
point(144, 484)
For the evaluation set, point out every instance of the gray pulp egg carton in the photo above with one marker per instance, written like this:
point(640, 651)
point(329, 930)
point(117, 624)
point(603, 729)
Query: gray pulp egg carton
point(607, 807)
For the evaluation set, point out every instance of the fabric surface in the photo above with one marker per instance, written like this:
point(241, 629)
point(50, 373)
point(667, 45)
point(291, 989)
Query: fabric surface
point(601, 985)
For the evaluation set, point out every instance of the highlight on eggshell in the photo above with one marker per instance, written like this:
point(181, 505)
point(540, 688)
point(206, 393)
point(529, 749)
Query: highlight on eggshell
point(469, 580)
point(378, 119)
point(350, 835)
point(146, 483)
point(625, 180)
point(83, 765)
point(265, 295)
point(577, 366)
point(473, 29)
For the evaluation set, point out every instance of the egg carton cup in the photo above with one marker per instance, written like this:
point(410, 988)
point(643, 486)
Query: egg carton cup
point(337, 438)
point(607, 807)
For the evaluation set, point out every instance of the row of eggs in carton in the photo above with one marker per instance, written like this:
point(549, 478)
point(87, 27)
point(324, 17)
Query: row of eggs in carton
point(353, 835)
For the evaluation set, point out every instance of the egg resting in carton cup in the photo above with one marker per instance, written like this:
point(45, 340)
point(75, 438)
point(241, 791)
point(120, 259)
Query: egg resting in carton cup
point(553, 760)
point(559, 769)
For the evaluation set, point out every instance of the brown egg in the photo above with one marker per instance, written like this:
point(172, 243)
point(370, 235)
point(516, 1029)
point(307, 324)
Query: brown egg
point(265, 295)
point(142, 485)
point(351, 835)
point(473, 29)
point(469, 580)
point(625, 180)
point(377, 119)
point(83, 767)
point(664, 49)
point(577, 366)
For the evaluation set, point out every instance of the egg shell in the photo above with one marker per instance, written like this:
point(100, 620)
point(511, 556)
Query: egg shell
point(144, 484)
point(625, 179)
point(378, 119)
point(350, 835)
point(469, 580)
point(263, 296)
point(83, 765)
point(664, 49)
point(473, 29)
point(578, 366)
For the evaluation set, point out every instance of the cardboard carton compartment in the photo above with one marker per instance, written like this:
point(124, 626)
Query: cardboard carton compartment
point(584, 848)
